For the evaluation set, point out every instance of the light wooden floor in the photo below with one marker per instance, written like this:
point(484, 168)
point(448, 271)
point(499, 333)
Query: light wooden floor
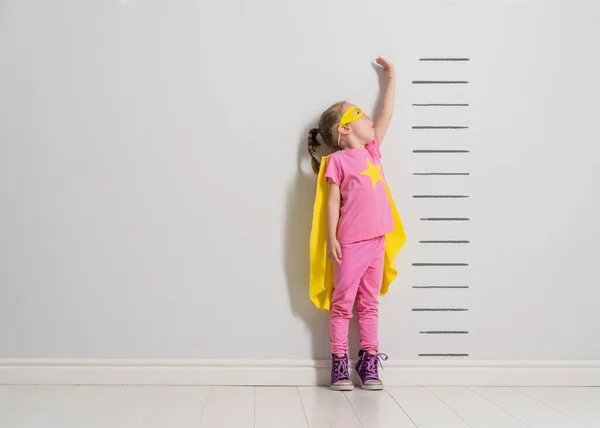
point(290, 407)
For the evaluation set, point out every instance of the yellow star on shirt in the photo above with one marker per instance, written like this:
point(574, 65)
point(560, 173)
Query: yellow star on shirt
point(373, 172)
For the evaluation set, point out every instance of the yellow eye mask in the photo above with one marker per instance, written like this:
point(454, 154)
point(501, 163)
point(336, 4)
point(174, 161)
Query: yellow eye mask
point(351, 115)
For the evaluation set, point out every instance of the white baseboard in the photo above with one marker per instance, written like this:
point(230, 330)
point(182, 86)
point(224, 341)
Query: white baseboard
point(294, 372)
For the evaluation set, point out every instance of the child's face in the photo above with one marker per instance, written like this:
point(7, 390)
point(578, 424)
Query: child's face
point(362, 128)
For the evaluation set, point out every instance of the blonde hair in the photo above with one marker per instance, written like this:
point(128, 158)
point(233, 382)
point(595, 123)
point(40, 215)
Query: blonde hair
point(327, 128)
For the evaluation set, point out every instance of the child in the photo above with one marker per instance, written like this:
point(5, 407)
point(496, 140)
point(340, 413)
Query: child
point(356, 224)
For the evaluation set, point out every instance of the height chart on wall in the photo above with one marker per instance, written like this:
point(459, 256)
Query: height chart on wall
point(441, 144)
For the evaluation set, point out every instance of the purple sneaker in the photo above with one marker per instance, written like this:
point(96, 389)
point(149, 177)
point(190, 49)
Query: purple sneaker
point(368, 371)
point(340, 380)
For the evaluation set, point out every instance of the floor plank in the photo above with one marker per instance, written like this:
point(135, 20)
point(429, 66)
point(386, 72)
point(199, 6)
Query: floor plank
point(228, 407)
point(72, 406)
point(477, 411)
point(128, 406)
point(53, 406)
point(18, 404)
point(530, 411)
point(279, 407)
point(578, 409)
point(425, 409)
point(588, 393)
point(325, 408)
point(377, 409)
point(179, 407)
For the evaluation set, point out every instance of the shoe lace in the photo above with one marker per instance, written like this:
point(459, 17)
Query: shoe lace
point(371, 364)
point(340, 368)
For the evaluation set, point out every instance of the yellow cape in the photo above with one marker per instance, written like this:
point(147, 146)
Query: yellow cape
point(321, 268)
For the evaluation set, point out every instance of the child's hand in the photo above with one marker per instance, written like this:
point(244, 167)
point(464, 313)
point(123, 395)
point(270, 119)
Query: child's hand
point(390, 71)
point(334, 251)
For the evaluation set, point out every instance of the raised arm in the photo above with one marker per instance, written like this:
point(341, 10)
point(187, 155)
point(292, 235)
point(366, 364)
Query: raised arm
point(383, 119)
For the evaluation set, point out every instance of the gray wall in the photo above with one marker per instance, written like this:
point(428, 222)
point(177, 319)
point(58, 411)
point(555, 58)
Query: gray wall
point(156, 197)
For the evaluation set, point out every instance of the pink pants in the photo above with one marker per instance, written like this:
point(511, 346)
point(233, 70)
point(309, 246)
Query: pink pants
point(358, 277)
